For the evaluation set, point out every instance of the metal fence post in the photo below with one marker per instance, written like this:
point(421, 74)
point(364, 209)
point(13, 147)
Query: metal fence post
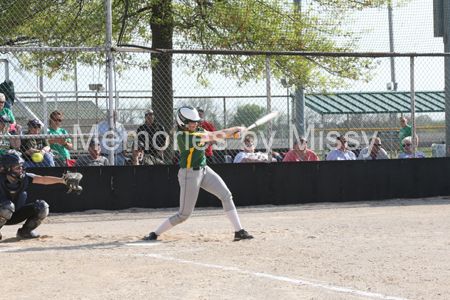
point(268, 109)
point(110, 80)
point(413, 108)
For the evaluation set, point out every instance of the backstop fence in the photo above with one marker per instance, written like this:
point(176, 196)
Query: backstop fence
point(355, 94)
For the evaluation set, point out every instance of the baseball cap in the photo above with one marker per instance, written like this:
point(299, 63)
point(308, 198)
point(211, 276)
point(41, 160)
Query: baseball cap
point(341, 138)
point(4, 118)
point(93, 142)
point(140, 145)
point(34, 123)
point(200, 108)
point(149, 111)
point(301, 139)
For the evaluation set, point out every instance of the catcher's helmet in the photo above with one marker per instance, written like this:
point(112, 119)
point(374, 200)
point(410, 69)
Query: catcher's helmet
point(8, 160)
point(185, 115)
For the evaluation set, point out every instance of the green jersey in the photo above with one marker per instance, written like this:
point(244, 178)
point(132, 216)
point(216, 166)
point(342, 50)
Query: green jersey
point(404, 132)
point(8, 112)
point(62, 151)
point(192, 151)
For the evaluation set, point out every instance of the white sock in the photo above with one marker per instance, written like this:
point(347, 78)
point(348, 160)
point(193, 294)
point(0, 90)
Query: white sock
point(234, 219)
point(166, 225)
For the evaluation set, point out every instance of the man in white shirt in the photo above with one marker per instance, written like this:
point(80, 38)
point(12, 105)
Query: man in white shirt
point(115, 139)
point(341, 152)
point(249, 155)
point(373, 151)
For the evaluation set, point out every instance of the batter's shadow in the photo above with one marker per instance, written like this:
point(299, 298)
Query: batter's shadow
point(108, 245)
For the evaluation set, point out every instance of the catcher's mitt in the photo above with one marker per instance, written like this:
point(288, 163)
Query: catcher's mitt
point(72, 180)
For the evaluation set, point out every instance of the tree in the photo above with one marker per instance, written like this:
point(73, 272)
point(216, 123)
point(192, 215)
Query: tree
point(246, 114)
point(272, 25)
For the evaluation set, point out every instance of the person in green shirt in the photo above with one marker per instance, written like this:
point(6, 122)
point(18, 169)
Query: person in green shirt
point(404, 132)
point(61, 145)
point(195, 174)
point(6, 111)
point(5, 129)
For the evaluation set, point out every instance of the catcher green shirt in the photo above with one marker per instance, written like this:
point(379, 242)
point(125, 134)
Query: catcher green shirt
point(192, 151)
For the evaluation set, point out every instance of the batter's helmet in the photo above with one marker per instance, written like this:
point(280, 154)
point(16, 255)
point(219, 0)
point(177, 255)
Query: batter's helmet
point(185, 115)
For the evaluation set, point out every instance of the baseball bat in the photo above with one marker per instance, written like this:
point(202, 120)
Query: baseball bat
point(168, 137)
point(258, 122)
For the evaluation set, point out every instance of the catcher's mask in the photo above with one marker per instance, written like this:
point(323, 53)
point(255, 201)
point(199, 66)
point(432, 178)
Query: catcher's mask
point(11, 159)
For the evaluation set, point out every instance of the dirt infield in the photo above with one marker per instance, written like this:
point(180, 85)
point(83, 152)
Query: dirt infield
point(397, 249)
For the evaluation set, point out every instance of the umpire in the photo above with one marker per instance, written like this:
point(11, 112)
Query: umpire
point(146, 133)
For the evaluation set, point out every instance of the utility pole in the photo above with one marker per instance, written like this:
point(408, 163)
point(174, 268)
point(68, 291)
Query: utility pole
point(299, 95)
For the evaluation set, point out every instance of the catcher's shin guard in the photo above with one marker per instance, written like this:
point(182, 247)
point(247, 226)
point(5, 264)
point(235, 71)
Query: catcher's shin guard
point(7, 208)
point(41, 209)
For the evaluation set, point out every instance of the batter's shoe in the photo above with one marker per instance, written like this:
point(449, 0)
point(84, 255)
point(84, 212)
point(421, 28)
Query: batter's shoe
point(151, 237)
point(27, 236)
point(242, 235)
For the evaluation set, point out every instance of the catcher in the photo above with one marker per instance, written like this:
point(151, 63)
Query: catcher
point(13, 184)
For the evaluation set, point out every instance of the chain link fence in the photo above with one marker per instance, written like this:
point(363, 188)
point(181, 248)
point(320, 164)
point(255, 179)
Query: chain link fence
point(72, 81)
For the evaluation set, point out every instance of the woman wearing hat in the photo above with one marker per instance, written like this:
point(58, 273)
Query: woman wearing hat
point(301, 151)
point(31, 146)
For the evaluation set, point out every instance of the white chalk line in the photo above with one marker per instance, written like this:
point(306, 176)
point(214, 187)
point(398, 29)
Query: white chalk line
point(279, 278)
point(9, 249)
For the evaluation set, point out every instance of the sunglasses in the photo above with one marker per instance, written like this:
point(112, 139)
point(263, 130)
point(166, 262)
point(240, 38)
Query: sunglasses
point(2, 102)
point(17, 167)
point(57, 120)
point(249, 145)
point(404, 145)
point(379, 145)
point(402, 121)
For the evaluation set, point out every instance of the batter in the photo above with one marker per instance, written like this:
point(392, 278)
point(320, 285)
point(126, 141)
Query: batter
point(195, 174)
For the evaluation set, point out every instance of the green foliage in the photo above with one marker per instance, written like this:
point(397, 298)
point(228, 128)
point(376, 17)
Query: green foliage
point(271, 25)
point(247, 114)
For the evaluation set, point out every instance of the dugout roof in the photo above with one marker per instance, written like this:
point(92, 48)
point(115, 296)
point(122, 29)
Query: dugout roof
point(375, 102)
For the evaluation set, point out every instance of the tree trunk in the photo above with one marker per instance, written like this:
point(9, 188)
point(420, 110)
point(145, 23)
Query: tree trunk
point(162, 87)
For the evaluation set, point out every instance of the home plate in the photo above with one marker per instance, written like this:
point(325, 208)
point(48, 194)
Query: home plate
point(143, 243)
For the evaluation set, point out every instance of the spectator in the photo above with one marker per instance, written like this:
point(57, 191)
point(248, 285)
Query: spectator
point(249, 155)
point(210, 159)
point(404, 132)
point(301, 151)
point(341, 152)
point(94, 158)
point(146, 133)
point(115, 139)
point(407, 145)
point(373, 151)
point(5, 129)
point(140, 158)
point(31, 146)
point(62, 145)
point(6, 111)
